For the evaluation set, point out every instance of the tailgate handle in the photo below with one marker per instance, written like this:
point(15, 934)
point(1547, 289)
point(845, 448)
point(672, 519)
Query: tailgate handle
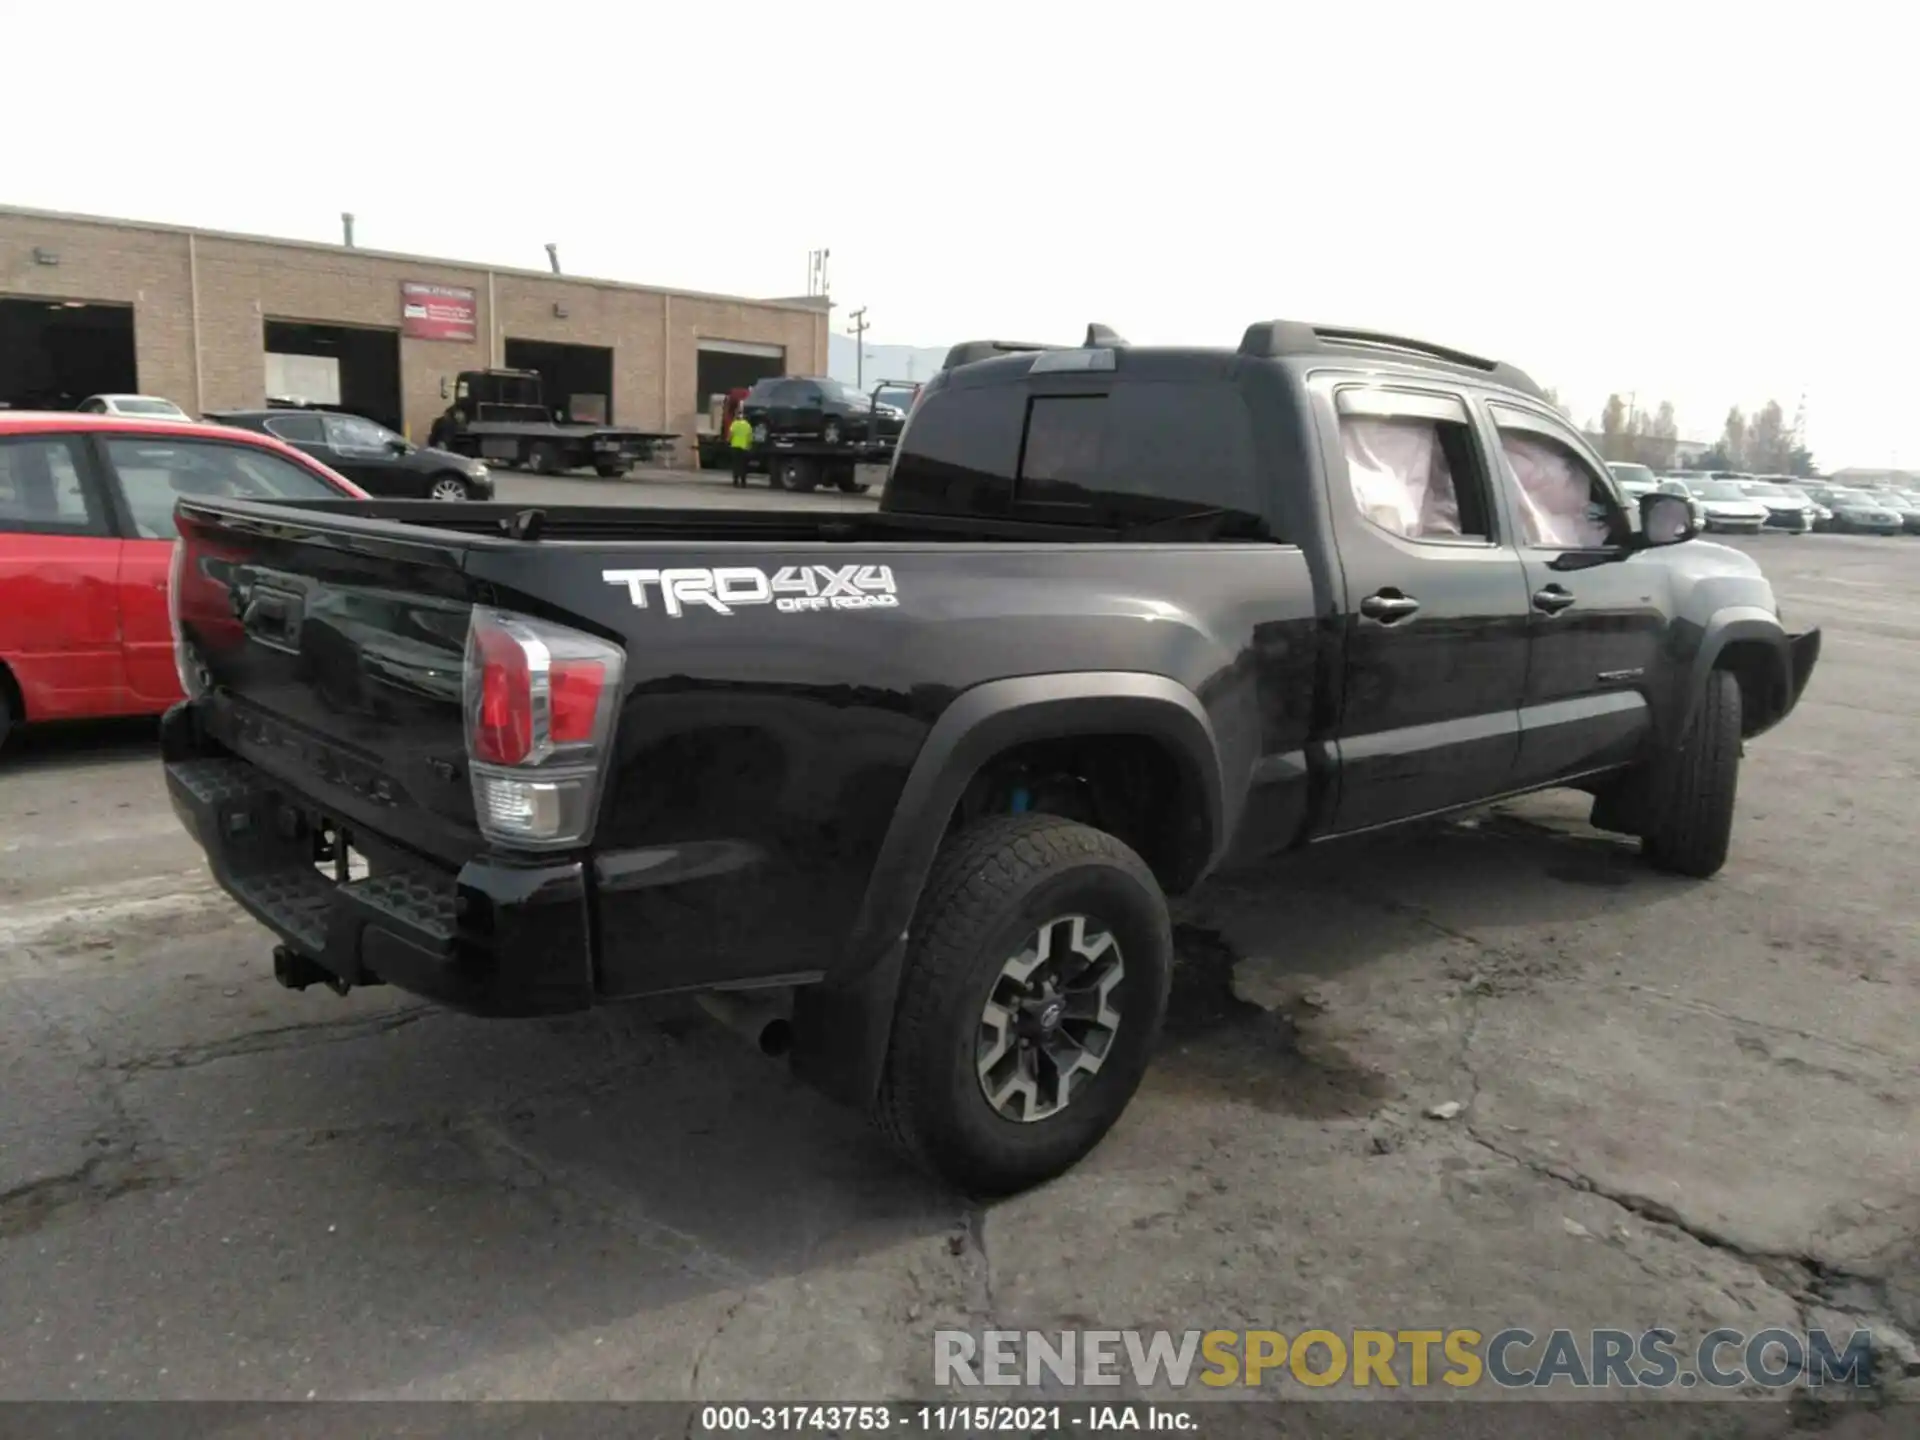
point(273, 618)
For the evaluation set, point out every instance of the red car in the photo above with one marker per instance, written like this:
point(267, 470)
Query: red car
point(86, 542)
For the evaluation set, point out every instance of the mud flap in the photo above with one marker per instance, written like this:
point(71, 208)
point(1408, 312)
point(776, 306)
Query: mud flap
point(1635, 804)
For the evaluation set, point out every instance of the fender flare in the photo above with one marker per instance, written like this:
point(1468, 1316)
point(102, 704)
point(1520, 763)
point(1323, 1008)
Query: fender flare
point(843, 1024)
point(1726, 626)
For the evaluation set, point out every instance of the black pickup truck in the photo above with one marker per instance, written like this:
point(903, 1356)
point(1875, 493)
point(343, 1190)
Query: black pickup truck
point(902, 793)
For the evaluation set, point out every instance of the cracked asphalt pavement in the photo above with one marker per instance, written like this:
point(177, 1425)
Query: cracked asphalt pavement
point(1683, 1104)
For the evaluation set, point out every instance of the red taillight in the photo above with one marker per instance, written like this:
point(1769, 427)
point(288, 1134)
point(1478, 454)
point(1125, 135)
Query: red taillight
point(575, 699)
point(540, 701)
point(503, 727)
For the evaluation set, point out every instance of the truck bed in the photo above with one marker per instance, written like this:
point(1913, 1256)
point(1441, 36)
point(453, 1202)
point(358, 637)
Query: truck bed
point(783, 672)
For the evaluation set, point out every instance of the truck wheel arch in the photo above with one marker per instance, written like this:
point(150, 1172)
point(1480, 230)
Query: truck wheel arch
point(843, 1023)
point(1747, 640)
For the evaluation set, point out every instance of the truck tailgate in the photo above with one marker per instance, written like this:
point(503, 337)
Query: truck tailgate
point(333, 654)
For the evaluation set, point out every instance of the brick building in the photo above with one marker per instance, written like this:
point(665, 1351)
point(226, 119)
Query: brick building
point(208, 319)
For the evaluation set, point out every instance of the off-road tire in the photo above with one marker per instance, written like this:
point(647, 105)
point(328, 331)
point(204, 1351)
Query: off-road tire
point(1696, 824)
point(850, 484)
point(991, 886)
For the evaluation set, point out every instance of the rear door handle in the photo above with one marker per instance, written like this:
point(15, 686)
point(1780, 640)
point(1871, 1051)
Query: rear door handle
point(1388, 605)
point(1552, 600)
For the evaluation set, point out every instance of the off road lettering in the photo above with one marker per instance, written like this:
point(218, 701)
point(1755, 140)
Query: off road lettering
point(791, 589)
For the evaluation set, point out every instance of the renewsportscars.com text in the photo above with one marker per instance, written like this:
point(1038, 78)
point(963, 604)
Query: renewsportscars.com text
point(1510, 1359)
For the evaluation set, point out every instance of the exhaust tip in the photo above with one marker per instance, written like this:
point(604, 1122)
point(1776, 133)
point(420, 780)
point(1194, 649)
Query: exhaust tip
point(776, 1038)
point(766, 1029)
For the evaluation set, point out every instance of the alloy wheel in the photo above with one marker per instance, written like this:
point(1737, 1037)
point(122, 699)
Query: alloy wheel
point(1050, 1020)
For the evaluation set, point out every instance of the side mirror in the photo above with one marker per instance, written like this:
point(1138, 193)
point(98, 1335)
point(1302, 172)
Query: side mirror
point(1665, 520)
point(398, 447)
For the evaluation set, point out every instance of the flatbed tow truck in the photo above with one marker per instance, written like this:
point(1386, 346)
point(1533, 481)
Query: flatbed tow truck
point(804, 462)
point(501, 416)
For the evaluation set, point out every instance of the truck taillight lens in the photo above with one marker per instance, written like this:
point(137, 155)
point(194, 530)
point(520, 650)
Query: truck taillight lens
point(540, 706)
point(187, 663)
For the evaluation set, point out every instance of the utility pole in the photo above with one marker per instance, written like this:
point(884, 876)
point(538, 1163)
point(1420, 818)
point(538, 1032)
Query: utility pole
point(858, 329)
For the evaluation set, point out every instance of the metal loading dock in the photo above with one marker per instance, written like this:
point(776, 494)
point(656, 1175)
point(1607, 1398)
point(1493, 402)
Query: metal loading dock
point(54, 353)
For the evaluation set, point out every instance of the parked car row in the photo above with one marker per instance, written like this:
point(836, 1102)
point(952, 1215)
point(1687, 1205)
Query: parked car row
point(1730, 502)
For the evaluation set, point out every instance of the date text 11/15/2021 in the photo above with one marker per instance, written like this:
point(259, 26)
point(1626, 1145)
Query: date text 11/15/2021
point(944, 1419)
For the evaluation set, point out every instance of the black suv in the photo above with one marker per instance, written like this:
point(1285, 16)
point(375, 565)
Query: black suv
point(799, 407)
point(372, 456)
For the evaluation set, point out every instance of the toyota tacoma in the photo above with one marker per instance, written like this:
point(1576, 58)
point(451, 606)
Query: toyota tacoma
point(903, 793)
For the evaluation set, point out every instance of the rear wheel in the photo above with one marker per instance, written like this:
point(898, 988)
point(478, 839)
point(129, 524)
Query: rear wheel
point(7, 713)
point(610, 469)
point(448, 487)
point(1036, 980)
point(544, 458)
point(1696, 826)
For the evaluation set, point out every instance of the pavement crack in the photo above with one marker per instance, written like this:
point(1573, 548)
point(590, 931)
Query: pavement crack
point(283, 1037)
point(516, 1167)
point(1809, 1283)
point(700, 1355)
point(1900, 1063)
point(975, 1242)
point(103, 1179)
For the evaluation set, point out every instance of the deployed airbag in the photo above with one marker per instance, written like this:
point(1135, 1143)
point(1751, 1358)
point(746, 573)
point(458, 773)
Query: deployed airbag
point(1400, 476)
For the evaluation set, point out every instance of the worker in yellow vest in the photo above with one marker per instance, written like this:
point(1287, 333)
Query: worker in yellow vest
point(740, 438)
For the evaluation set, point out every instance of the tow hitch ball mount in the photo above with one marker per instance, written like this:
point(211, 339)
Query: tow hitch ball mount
point(297, 972)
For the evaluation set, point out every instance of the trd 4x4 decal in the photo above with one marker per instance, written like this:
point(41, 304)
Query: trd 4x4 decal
point(790, 589)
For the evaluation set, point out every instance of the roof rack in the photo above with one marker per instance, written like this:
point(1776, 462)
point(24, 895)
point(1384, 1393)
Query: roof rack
point(1271, 339)
point(968, 351)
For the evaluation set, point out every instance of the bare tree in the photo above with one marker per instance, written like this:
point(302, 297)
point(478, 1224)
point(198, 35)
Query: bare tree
point(1657, 440)
point(1733, 439)
point(1616, 439)
point(1771, 441)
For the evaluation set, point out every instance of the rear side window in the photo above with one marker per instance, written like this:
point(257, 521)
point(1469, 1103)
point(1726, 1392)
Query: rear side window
point(784, 392)
point(960, 452)
point(299, 429)
point(155, 473)
point(1413, 466)
point(1149, 449)
point(41, 492)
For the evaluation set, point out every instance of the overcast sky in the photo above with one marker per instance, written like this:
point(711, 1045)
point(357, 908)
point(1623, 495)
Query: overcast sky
point(1713, 204)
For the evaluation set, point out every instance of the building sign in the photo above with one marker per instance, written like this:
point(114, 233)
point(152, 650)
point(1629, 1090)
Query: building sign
point(437, 312)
